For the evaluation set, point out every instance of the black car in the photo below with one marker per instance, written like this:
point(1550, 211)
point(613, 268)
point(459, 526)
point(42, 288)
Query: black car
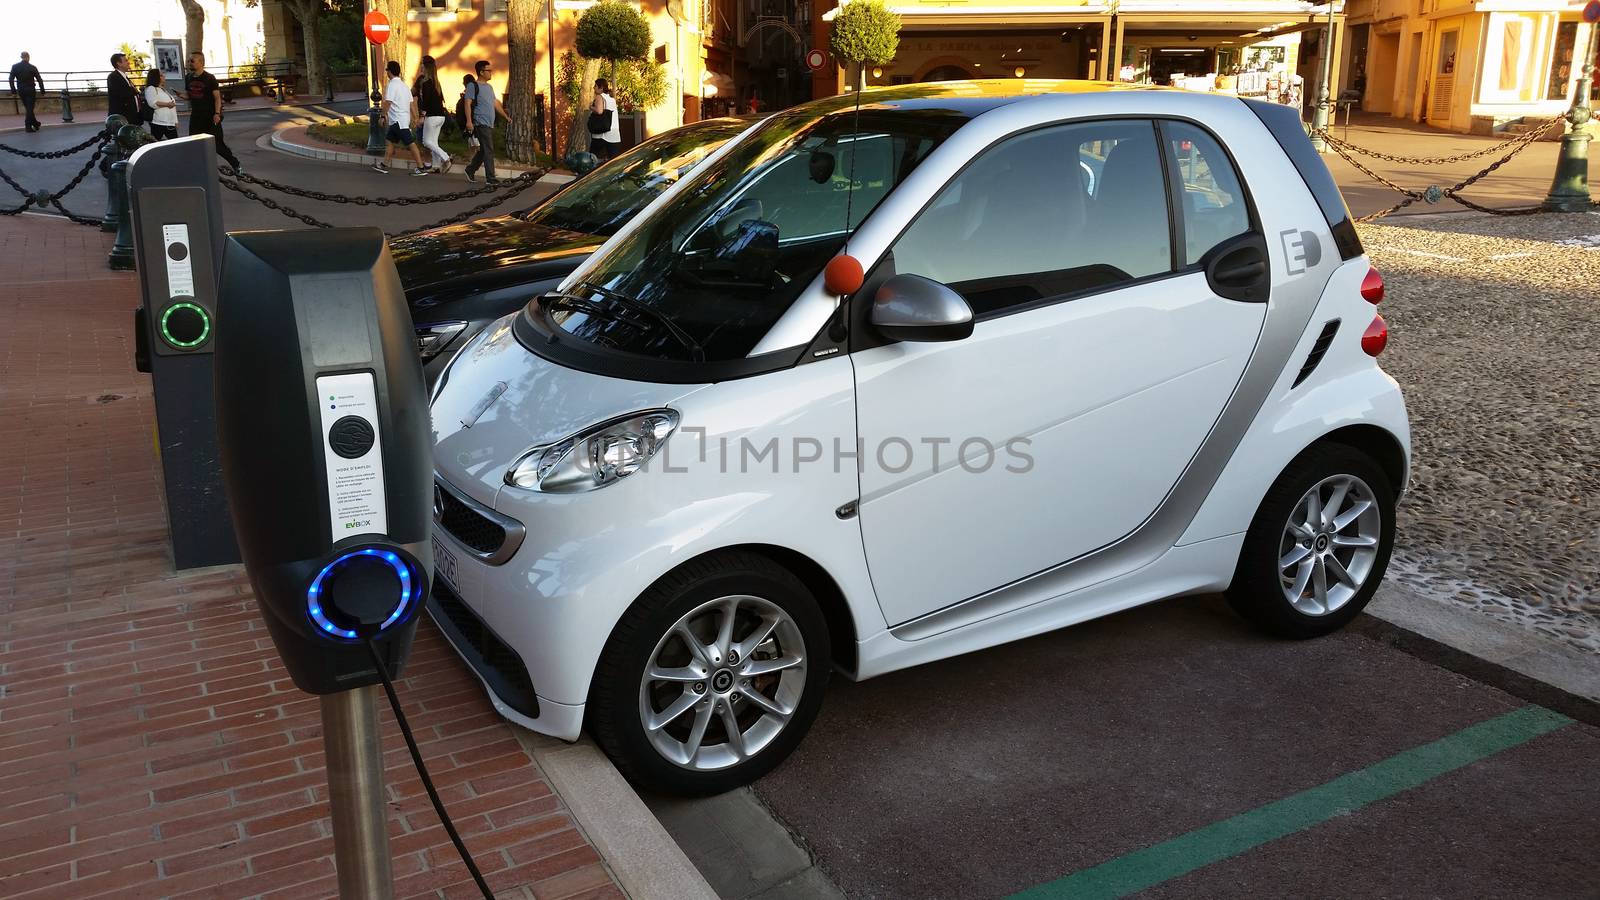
point(461, 278)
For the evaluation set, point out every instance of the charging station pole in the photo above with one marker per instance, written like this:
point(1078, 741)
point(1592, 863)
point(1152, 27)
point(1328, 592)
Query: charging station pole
point(326, 450)
point(351, 742)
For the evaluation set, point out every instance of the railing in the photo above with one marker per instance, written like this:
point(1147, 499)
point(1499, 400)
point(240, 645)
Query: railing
point(95, 82)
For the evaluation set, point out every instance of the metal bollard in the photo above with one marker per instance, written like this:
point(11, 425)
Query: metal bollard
point(114, 152)
point(121, 257)
point(374, 130)
point(66, 105)
point(280, 97)
point(327, 78)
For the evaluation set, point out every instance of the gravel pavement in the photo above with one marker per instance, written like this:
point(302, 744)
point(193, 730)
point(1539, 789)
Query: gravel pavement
point(1495, 336)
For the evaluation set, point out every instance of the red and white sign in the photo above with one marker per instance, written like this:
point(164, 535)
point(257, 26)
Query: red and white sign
point(1591, 11)
point(816, 59)
point(376, 27)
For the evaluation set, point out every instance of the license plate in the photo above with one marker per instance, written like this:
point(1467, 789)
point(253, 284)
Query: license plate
point(444, 565)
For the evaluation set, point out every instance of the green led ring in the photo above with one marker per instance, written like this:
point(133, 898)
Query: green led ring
point(205, 330)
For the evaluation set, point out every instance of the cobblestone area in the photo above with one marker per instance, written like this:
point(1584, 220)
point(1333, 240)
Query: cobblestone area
point(1495, 335)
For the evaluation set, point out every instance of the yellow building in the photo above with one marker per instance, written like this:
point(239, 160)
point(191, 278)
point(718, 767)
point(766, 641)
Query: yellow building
point(1465, 66)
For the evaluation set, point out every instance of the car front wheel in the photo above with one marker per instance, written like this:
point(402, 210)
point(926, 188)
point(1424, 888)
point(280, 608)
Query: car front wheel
point(712, 677)
point(1319, 544)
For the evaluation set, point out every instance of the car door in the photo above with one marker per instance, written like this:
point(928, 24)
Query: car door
point(1103, 352)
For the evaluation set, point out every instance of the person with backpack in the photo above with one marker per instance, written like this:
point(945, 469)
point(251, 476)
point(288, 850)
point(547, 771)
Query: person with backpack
point(430, 102)
point(482, 106)
point(605, 132)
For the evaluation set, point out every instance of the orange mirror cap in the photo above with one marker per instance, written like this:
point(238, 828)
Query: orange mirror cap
point(843, 276)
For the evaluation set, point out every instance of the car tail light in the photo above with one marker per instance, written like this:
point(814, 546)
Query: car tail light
point(1376, 337)
point(1372, 288)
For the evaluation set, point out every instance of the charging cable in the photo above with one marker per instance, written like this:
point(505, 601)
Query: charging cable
point(416, 757)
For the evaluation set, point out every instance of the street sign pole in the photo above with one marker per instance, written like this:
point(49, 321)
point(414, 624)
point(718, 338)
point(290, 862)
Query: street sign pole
point(1319, 119)
point(1569, 190)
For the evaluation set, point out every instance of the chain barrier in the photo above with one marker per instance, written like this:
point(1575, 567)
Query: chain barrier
point(55, 154)
point(502, 192)
point(528, 177)
point(1434, 193)
point(41, 199)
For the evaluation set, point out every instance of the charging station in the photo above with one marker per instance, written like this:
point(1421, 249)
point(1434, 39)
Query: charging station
point(177, 217)
point(322, 423)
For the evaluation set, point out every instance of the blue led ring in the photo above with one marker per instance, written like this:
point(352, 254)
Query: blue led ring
point(313, 593)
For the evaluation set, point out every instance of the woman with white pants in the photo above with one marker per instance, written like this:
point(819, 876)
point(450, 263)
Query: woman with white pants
point(430, 102)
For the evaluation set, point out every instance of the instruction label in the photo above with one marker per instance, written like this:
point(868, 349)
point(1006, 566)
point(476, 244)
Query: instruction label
point(352, 453)
point(180, 269)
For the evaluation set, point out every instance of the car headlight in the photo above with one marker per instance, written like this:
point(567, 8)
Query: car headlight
point(595, 457)
point(432, 339)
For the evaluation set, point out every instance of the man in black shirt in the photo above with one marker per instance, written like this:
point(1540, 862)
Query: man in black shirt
point(23, 78)
point(123, 96)
point(205, 106)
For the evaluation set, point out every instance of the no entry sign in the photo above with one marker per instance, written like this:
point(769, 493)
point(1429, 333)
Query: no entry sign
point(376, 27)
point(816, 59)
point(1591, 11)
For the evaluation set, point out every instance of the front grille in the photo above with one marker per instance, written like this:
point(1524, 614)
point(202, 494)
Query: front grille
point(1324, 341)
point(496, 663)
point(466, 524)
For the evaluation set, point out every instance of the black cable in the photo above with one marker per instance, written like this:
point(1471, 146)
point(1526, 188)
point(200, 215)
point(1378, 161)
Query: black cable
point(416, 757)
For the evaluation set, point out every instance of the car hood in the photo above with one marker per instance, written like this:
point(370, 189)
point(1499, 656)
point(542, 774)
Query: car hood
point(483, 253)
point(497, 400)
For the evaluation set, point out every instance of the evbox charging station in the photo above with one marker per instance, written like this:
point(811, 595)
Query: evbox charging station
point(322, 422)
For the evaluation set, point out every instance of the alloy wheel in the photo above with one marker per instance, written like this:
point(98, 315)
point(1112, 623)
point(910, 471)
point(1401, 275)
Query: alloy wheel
point(723, 682)
point(1329, 545)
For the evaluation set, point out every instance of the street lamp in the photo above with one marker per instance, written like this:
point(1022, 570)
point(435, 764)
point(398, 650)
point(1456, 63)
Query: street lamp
point(1319, 119)
point(1569, 190)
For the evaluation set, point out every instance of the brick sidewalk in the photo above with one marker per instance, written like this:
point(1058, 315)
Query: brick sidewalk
point(152, 745)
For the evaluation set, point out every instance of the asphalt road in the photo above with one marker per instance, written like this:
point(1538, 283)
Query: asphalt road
point(243, 129)
point(1172, 752)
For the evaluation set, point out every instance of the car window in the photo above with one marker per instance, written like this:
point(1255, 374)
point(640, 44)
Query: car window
point(1214, 207)
point(1057, 211)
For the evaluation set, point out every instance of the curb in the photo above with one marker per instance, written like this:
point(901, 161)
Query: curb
point(285, 145)
point(645, 860)
point(1499, 654)
point(317, 102)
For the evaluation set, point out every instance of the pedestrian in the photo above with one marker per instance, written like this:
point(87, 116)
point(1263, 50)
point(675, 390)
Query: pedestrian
point(399, 108)
point(122, 96)
point(430, 104)
point(605, 132)
point(482, 105)
point(205, 107)
point(23, 77)
point(163, 106)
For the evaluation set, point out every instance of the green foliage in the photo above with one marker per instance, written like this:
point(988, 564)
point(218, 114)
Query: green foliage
point(865, 31)
point(638, 84)
point(256, 65)
point(344, 48)
point(613, 30)
point(138, 60)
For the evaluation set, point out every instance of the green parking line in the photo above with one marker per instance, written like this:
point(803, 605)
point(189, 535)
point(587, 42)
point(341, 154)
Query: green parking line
point(1151, 866)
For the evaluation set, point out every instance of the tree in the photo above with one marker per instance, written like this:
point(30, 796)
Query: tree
point(609, 31)
point(522, 26)
point(307, 13)
point(138, 60)
point(194, 23)
point(395, 47)
point(865, 32)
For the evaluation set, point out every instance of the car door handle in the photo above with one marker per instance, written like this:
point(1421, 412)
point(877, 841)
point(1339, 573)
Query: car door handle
point(1237, 269)
point(1240, 271)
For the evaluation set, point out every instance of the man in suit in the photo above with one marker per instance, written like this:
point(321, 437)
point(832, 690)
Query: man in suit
point(124, 97)
point(24, 76)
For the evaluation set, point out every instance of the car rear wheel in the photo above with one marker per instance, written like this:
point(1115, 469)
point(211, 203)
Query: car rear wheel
point(1319, 544)
point(712, 677)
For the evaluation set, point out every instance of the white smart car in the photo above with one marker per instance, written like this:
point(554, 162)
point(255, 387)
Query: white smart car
point(881, 384)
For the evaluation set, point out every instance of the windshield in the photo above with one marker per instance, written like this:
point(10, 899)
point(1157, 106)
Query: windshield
point(605, 199)
point(728, 255)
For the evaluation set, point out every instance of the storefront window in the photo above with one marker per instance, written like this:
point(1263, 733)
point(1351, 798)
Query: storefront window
point(1561, 61)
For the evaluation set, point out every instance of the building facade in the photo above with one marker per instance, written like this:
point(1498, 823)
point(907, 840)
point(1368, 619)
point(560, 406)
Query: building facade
point(1471, 67)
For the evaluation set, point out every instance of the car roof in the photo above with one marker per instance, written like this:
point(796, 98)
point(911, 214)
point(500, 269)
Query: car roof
point(967, 98)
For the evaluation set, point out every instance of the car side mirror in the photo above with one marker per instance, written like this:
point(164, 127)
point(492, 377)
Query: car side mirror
point(914, 308)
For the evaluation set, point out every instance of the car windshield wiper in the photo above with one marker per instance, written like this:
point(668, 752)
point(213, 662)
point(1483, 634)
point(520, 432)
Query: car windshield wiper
point(673, 328)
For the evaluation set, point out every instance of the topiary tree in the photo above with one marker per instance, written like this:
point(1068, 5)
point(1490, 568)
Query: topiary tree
point(865, 32)
point(610, 31)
